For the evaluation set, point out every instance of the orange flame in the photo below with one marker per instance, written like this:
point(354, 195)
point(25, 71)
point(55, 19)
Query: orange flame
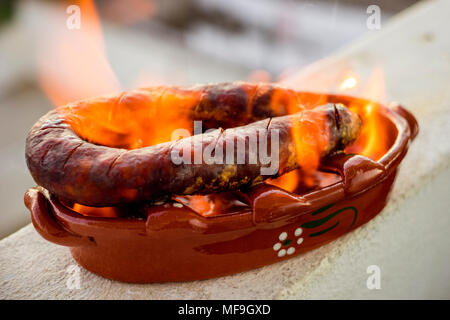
point(213, 204)
point(288, 181)
point(348, 83)
point(309, 137)
point(72, 64)
point(373, 141)
point(135, 119)
point(108, 212)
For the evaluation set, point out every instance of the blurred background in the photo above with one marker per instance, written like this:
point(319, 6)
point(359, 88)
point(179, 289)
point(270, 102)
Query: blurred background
point(125, 44)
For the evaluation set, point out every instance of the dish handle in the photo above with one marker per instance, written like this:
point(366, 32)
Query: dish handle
point(47, 226)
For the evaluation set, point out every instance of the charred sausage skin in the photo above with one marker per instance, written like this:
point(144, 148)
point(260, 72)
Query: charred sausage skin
point(94, 175)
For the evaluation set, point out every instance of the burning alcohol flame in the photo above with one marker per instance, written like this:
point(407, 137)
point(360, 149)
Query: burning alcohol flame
point(130, 11)
point(348, 83)
point(373, 141)
point(73, 66)
point(134, 119)
point(72, 63)
point(107, 212)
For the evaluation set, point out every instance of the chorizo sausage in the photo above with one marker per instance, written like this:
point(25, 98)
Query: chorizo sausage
point(95, 175)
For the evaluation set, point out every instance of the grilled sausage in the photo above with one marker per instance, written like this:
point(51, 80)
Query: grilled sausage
point(94, 175)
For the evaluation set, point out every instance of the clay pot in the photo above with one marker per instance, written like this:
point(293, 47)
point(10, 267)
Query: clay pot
point(175, 243)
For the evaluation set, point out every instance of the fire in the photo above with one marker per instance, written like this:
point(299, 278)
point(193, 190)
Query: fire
point(373, 141)
point(214, 204)
point(201, 204)
point(72, 63)
point(308, 141)
point(348, 83)
point(95, 212)
point(288, 181)
point(131, 11)
point(73, 66)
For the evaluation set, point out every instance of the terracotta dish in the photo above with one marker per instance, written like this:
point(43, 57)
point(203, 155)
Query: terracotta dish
point(175, 243)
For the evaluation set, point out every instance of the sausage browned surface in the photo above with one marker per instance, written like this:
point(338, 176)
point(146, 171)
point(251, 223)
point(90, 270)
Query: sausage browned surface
point(95, 175)
point(117, 120)
point(235, 104)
